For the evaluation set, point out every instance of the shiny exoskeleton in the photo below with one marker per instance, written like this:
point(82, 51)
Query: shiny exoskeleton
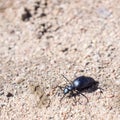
point(79, 84)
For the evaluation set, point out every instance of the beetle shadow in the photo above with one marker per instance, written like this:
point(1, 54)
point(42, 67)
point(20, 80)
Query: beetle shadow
point(93, 87)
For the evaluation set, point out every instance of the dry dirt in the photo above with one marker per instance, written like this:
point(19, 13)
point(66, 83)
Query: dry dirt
point(42, 39)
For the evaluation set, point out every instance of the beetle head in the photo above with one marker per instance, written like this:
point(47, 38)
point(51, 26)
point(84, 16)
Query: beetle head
point(68, 89)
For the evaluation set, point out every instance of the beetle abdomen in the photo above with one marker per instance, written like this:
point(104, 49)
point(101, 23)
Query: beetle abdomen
point(83, 82)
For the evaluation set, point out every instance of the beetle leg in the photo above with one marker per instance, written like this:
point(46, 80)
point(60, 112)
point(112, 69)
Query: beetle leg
point(58, 93)
point(74, 97)
point(79, 93)
point(101, 91)
point(62, 98)
point(85, 97)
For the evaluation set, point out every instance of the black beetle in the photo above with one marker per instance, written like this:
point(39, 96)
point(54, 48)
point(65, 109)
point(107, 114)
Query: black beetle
point(79, 84)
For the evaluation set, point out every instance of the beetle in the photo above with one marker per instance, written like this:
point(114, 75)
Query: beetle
point(78, 85)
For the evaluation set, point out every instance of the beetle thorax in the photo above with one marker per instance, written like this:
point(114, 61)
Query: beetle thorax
point(68, 89)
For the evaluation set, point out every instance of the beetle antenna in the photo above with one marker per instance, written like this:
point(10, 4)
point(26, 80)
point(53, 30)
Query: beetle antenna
point(62, 88)
point(66, 78)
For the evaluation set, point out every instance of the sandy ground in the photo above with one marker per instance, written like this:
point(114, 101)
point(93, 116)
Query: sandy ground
point(42, 39)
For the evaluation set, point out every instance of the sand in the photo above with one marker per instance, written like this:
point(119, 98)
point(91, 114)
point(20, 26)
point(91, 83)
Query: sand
point(42, 39)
